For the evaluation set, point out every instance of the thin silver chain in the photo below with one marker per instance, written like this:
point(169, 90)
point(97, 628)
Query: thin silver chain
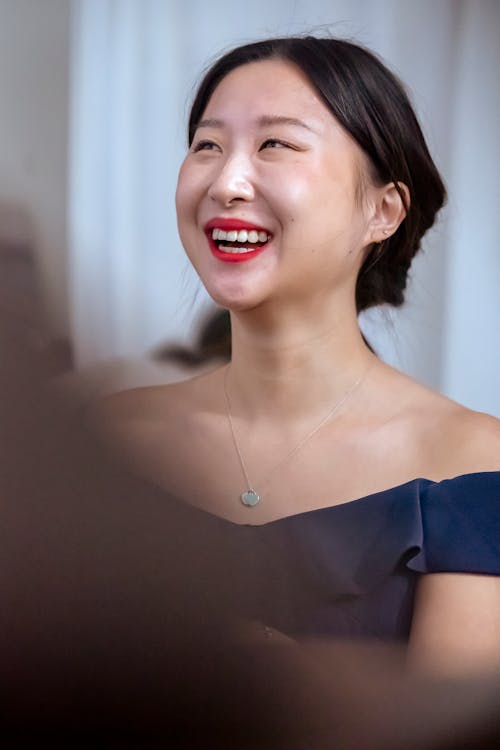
point(304, 440)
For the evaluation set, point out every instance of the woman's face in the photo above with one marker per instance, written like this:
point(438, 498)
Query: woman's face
point(274, 176)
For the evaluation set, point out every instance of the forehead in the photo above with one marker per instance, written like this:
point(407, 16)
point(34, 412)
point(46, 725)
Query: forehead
point(268, 87)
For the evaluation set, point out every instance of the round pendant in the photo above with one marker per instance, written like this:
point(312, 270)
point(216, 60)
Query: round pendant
point(250, 498)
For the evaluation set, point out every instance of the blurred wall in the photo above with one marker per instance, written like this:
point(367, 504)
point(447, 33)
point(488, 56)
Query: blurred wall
point(34, 39)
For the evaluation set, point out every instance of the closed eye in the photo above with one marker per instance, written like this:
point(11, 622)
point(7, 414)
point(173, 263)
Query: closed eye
point(275, 143)
point(204, 146)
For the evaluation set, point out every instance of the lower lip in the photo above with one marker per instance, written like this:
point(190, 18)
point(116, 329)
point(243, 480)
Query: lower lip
point(234, 257)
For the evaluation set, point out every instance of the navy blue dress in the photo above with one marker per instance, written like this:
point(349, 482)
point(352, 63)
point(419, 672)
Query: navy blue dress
point(350, 570)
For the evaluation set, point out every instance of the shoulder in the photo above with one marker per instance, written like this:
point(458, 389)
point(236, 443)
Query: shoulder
point(154, 408)
point(459, 596)
point(469, 441)
point(155, 430)
point(144, 406)
point(443, 438)
point(155, 402)
point(449, 438)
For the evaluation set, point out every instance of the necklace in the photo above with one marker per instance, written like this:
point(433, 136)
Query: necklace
point(250, 497)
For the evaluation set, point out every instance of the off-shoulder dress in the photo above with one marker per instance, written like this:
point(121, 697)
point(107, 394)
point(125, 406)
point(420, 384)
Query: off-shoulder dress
point(350, 570)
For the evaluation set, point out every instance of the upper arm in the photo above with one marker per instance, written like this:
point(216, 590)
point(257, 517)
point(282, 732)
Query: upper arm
point(456, 624)
point(456, 618)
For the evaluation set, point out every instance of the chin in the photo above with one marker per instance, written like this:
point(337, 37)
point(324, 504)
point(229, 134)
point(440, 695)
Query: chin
point(235, 299)
point(235, 304)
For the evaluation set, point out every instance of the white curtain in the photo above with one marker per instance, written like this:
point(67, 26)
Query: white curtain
point(125, 141)
point(134, 67)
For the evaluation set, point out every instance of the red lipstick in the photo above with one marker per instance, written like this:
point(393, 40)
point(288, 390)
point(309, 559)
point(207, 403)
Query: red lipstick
point(229, 225)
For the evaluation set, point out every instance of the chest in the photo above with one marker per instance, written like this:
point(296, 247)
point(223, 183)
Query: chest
point(203, 464)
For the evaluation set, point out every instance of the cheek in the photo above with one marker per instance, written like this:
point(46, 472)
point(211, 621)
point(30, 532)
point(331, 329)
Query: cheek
point(182, 193)
point(291, 195)
point(314, 202)
point(188, 191)
point(185, 214)
point(322, 181)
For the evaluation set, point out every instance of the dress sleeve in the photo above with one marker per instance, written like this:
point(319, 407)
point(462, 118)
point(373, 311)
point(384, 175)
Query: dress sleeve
point(460, 526)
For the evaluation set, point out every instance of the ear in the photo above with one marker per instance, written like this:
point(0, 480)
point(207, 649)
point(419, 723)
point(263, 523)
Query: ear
point(388, 211)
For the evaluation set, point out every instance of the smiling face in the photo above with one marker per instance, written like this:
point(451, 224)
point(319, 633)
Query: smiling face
point(268, 197)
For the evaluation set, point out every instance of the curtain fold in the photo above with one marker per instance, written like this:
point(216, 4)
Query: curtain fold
point(123, 159)
point(471, 346)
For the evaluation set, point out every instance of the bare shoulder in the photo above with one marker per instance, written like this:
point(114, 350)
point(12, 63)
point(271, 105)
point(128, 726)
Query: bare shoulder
point(452, 608)
point(156, 429)
point(458, 440)
point(474, 438)
point(155, 407)
point(446, 438)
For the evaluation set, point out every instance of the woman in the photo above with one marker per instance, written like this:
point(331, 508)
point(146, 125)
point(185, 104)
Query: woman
point(302, 200)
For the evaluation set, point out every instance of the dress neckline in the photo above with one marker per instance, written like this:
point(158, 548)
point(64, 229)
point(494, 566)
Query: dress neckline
point(338, 506)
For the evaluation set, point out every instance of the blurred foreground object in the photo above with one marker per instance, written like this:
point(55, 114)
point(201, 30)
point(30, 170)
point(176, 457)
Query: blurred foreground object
point(118, 626)
point(19, 284)
point(167, 364)
point(20, 292)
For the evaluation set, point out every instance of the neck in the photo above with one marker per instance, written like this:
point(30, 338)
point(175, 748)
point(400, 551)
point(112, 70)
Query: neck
point(286, 367)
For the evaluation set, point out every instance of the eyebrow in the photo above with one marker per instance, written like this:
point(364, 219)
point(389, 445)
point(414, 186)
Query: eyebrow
point(263, 121)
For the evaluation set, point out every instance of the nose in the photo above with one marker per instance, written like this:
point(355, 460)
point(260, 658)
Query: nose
point(233, 182)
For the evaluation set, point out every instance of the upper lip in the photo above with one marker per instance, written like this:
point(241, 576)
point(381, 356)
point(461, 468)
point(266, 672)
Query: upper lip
point(228, 224)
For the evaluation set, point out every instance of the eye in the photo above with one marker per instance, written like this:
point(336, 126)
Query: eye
point(274, 143)
point(204, 146)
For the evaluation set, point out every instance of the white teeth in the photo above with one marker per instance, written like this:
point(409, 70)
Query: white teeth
point(219, 234)
point(243, 235)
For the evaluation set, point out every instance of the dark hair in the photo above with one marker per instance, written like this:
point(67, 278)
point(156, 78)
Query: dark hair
point(213, 342)
point(371, 104)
